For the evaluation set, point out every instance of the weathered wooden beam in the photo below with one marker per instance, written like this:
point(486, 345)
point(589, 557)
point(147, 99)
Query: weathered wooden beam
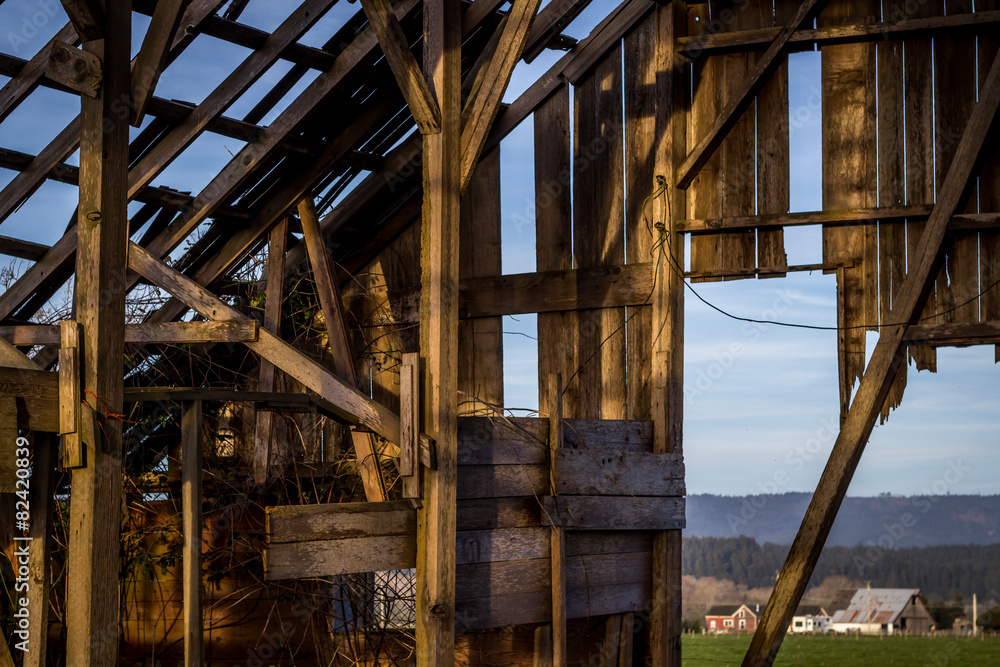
point(744, 40)
point(191, 527)
point(102, 230)
point(404, 66)
point(74, 68)
point(494, 84)
point(147, 333)
point(274, 296)
point(667, 354)
point(25, 183)
point(878, 377)
point(152, 58)
point(409, 414)
point(741, 99)
point(22, 249)
point(350, 404)
point(557, 536)
point(957, 334)
point(613, 512)
point(336, 329)
point(333, 521)
point(87, 17)
point(70, 395)
point(43, 474)
point(27, 79)
point(583, 472)
point(439, 270)
point(551, 21)
point(12, 357)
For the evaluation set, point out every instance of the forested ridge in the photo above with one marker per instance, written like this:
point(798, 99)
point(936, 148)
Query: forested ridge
point(939, 571)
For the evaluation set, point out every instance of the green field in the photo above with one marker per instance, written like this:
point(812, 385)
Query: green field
point(836, 650)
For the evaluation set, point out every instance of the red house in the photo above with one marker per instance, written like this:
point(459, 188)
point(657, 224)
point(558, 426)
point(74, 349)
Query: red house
point(732, 618)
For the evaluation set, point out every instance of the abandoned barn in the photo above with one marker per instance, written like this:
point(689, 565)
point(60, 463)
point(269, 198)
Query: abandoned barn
point(262, 421)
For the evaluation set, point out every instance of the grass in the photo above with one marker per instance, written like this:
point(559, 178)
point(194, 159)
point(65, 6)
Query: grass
point(837, 650)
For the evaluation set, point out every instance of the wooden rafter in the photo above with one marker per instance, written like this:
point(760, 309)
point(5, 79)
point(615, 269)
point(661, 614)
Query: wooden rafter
point(153, 54)
point(21, 85)
point(494, 83)
point(742, 98)
point(87, 17)
point(328, 290)
point(879, 375)
point(404, 66)
point(552, 19)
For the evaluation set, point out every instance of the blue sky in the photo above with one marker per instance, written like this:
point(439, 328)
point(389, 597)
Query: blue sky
point(761, 403)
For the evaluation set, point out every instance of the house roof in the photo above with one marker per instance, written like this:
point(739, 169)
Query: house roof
point(728, 610)
point(878, 605)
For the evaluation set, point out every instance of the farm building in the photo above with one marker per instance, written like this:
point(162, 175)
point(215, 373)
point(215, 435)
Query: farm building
point(732, 618)
point(883, 611)
point(259, 418)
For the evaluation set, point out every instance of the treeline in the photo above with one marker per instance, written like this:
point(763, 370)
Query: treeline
point(939, 571)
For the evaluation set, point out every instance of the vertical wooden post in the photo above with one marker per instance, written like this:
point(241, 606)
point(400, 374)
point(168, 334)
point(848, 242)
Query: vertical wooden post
point(409, 416)
point(668, 320)
point(69, 395)
point(42, 501)
point(102, 235)
point(272, 322)
point(557, 536)
point(543, 646)
point(191, 465)
point(435, 618)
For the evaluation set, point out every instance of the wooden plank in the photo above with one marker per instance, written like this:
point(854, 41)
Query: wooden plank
point(495, 78)
point(40, 531)
point(24, 184)
point(492, 481)
point(489, 513)
point(480, 342)
point(37, 395)
point(409, 413)
point(874, 386)
point(605, 435)
point(613, 512)
point(180, 333)
point(87, 17)
point(74, 68)
point(70, 395)
point(948, 334)
point(549, 24)
point(21, 85)
point(439, 273)
point(152, 57)
point(502, 441)
point(543, 646)
point(599, 236)
point(891, 192)
point(918, 96)
point(557, 536)
point(9, 444)
point(267, 376)
point(332, 521)
point(744, 95)
point(331, 304)
point(396, 48)
point(12, 357)
point(772, 148)
point(632, 473)
point(639, 81)
point(323, 558)
point(955, 86)
point(102, 224)
point(22, 249)
point(191, 527)
point(918, 22)
point(849, 176)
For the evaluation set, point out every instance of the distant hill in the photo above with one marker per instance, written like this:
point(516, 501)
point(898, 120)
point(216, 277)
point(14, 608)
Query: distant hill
point(891, 521)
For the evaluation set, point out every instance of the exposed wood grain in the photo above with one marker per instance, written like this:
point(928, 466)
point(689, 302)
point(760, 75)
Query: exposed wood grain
point(87, 17)
point(322, 558)
point(12, 357)
point(102, 228)
point(191, 527)
point(9, 444)
point(74, 68)
point(556, 571)
point(502, 481)
point(37, 395)
point(146, 333)
point(633, 473)
point(875, 384)
point(960, 333)
point(332, 521)
point(439, 274)
point(267, 375)
point(70, 395)
point(409, 414)
point(480, 342)
point(614, 512)
point(743, 96)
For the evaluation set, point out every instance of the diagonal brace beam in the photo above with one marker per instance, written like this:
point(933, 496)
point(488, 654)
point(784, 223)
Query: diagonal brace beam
point(889, 354)
point(403, 65)
point(765, 67)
